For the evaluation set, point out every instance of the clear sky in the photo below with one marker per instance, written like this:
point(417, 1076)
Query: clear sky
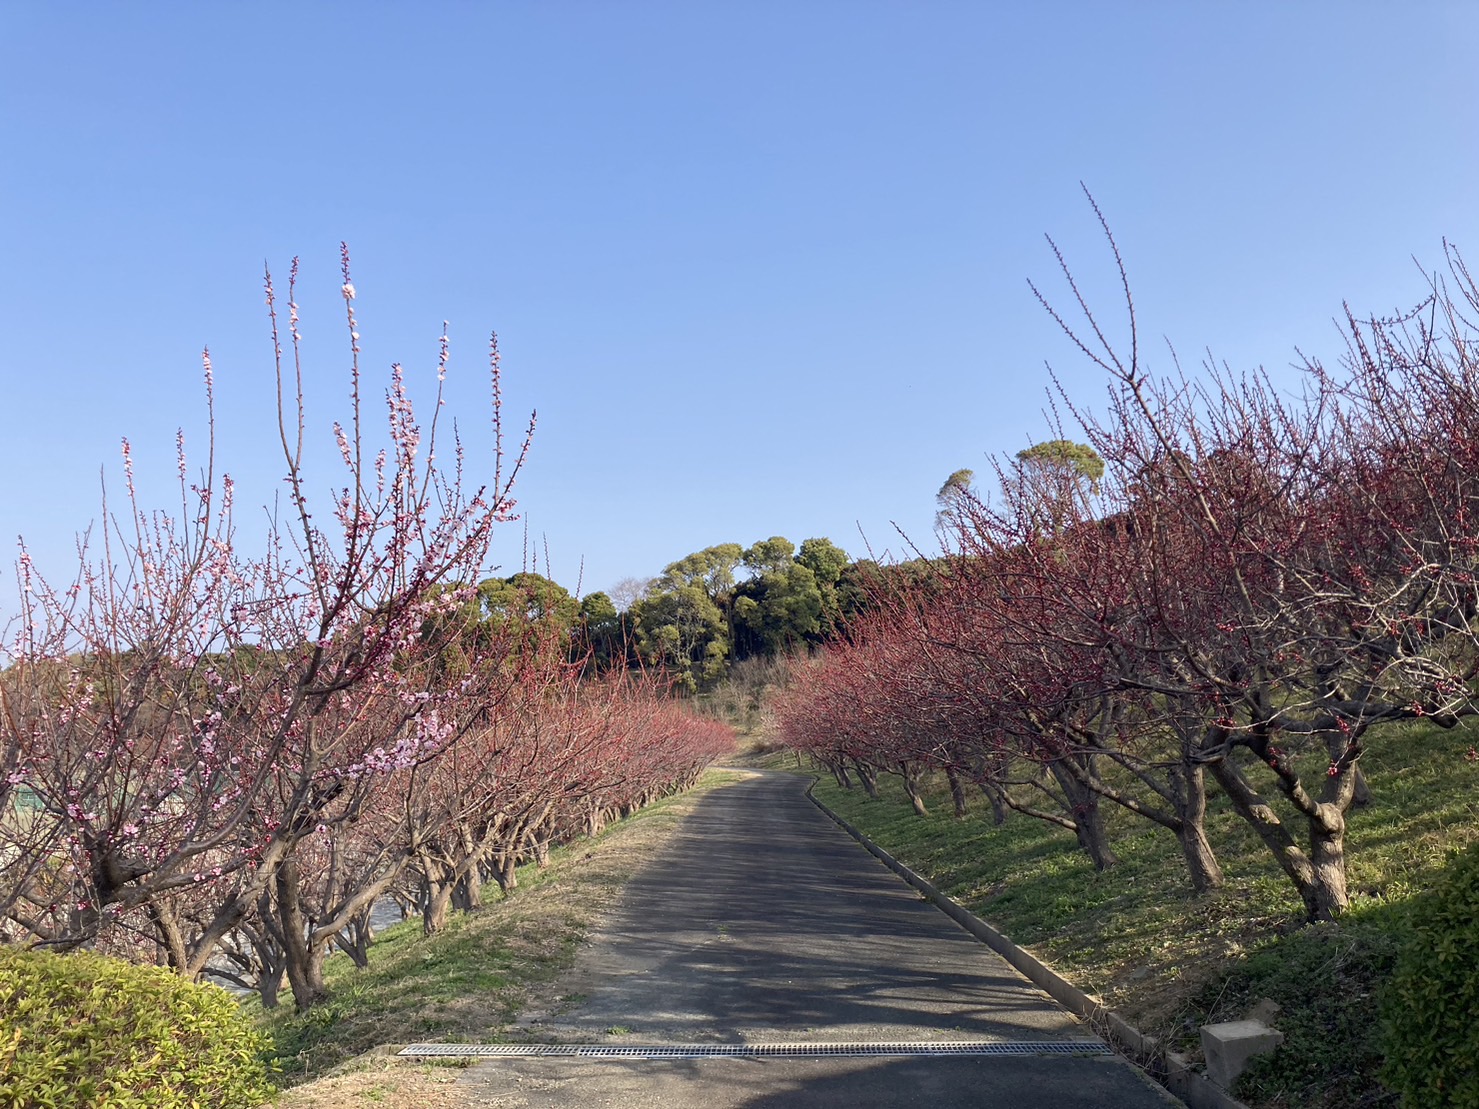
point(761, 266)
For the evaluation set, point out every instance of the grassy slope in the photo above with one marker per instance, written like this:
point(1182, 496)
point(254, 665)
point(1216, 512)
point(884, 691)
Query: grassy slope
point(471, 982)
point(1172, 962)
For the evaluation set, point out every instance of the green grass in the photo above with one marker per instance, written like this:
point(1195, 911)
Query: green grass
point(1171, 962)
point(469, 982)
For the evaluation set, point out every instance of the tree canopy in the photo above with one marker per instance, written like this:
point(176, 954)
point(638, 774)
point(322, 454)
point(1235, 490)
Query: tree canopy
point(700, 614)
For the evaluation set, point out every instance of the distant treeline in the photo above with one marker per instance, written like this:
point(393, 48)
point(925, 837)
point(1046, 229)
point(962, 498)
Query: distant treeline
point(709, 609)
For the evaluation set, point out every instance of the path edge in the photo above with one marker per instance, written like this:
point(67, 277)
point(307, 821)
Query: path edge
point(1167, 1068)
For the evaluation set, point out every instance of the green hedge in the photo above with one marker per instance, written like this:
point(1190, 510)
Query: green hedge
point(1431, 1004)
point(83, 1030)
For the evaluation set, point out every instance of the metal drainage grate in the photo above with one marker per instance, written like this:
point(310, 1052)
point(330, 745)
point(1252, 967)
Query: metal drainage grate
point(749, 1051)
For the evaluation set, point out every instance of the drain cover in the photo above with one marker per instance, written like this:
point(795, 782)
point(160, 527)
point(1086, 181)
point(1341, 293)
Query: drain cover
point(750, 1051)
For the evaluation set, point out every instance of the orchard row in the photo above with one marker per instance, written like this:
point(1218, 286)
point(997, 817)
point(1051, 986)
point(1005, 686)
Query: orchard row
point(220, 758)
point(1224, 588)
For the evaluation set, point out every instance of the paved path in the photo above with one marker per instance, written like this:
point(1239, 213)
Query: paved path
point(763, 923)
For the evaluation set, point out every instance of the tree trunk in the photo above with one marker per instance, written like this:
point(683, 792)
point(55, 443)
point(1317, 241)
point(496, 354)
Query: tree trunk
point(268, 988)
point(170, 938)
point(1327, 848)
point(304, 958)
point(1201, 862)
point(957, 792)
point(266, 951)
point(504, 869)
point(1091, 837)
point(409, 905)
point(356, 938)
point(1088, 819)
point(467, 892)
point(1265, 821)
point(439, 880)
point(868, 776)
point(988, 775)
point(310, 990)
point(999, 807)
point(1189, 784)
point(911, 787)
point(434, 912)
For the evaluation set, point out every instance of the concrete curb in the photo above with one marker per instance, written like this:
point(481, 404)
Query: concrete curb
point(1146, 1052)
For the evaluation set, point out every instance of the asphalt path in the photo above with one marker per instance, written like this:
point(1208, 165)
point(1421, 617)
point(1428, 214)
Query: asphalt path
point(763, 923)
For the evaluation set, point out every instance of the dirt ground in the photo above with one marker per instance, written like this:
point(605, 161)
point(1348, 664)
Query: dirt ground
point(389, 1082)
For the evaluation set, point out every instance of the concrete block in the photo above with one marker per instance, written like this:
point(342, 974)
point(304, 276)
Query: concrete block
point(1228, 1047)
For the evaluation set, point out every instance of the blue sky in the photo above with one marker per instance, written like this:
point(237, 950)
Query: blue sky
point(761, 267)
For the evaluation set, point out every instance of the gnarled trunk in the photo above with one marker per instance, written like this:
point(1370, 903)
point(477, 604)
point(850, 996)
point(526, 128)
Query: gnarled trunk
point(503, 869)
point(1189, 785)
point(957, 792)
point(355, 939)
point(168, 934)
point(1327, 851)
point(988, 775)
point(911, 787)
point(1320, 880)
point(304, 959)
point(467, 894)
point(267, 951)
point(434, 911)
point(999, 807)
point(1088, 819)
point(269, 986)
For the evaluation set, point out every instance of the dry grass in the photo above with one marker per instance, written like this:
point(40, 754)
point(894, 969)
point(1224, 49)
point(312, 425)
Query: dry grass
point(382, 1080)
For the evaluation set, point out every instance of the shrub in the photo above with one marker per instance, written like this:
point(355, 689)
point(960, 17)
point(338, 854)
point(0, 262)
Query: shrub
point(1429, 1006)
point(85, 1030)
